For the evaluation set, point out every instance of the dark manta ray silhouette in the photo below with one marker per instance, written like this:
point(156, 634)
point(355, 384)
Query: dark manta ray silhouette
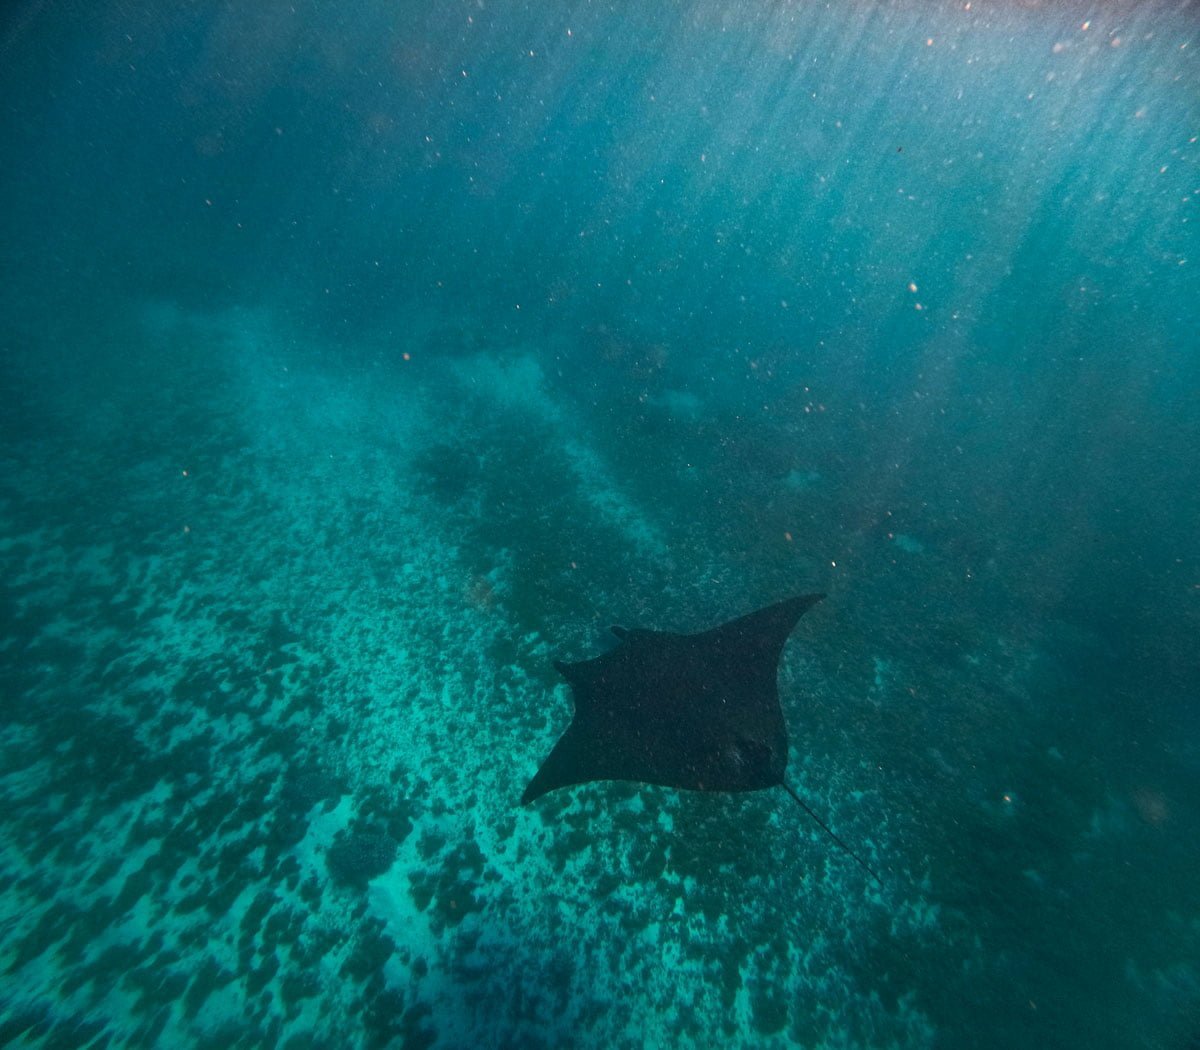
point(696, 711)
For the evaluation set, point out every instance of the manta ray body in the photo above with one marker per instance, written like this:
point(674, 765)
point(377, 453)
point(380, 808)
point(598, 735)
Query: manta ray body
point(694, 711)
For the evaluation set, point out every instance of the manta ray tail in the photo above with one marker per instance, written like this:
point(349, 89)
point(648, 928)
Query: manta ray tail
point(829, 831)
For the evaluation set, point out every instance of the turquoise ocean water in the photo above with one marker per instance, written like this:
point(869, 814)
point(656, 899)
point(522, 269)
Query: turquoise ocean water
point(359, 360)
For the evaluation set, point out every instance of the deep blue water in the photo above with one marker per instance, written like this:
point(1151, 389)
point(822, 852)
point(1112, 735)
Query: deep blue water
point(358, 361)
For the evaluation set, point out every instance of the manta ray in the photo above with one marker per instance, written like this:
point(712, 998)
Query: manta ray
point(693, 711)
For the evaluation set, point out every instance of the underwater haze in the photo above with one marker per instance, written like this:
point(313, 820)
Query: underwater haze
point(360, 360)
